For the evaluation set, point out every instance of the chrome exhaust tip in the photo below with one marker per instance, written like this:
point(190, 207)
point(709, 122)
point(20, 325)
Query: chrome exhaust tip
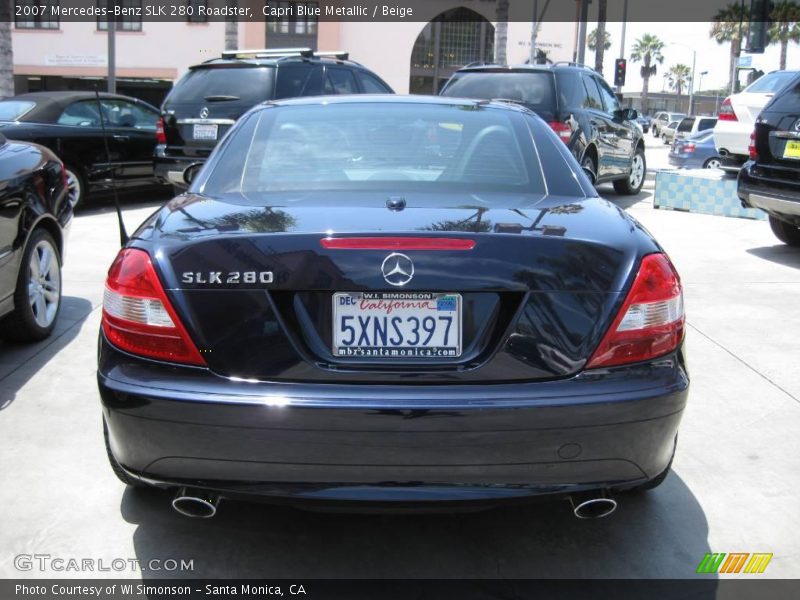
point(195, 503)
point(593, 506)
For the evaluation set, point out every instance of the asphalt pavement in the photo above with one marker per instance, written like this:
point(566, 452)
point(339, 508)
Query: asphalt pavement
point(733, 487)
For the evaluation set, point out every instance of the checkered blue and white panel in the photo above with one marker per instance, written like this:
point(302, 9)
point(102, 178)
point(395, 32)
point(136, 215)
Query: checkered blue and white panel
point(703, 191)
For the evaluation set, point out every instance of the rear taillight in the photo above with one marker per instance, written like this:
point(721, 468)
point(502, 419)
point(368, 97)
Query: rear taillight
point(751, 149)
point(161, 136)
point(562, 129)
point(726, 112)
point(650, 322)
point(137, 316)
point(689, 148)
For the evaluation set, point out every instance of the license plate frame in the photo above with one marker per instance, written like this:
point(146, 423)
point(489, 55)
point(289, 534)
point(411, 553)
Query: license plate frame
point(406, 305)
point(205, 132)
point(792, 150)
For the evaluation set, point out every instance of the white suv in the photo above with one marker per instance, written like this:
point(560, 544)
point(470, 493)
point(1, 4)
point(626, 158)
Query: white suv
point(738, 113)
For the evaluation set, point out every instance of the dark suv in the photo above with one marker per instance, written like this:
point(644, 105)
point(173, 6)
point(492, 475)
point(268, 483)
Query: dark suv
point(770, 180)
point(211, 96)
point(579, 106)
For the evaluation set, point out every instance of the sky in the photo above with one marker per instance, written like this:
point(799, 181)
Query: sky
point(680, 39)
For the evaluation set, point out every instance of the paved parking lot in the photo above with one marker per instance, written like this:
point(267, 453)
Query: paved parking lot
point(733, 489)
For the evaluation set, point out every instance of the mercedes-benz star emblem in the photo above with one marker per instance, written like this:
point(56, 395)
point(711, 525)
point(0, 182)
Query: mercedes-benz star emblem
point(397, 269)
point(204, 112)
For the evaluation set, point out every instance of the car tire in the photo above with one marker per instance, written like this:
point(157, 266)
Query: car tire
point(664, 139)
point(76, 186)
point(713, 163)
point(37, 297)
point(655, 132)
point(589, 165)
point(632, 185)
point(785, 232)
point(121, 474)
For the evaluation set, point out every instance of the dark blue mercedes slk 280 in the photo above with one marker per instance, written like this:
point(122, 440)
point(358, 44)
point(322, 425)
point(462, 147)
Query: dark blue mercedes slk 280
point(397, 301)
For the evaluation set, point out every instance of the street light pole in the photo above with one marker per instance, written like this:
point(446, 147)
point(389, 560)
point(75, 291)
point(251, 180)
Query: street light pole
point(691, 83)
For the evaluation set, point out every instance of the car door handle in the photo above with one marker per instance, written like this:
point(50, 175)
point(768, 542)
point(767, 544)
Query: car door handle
point(122, 138)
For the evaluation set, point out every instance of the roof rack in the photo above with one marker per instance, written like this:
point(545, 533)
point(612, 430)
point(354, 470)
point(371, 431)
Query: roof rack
point(266, 52)
point(570, 63)
point(284, 53)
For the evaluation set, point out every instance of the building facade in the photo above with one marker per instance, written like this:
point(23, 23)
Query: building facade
point(412, 56)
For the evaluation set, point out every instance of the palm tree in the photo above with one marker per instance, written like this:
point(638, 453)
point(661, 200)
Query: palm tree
point(591, 40)
point(785, 16)
point(730, 26)
point(6, 52)
point(678, 77)
point(601, 34)
point(501, 32)
point(647, 50)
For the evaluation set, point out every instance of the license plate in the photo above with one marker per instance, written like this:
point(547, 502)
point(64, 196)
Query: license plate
point(204, 132)
point(792, 149)
point(396, 325)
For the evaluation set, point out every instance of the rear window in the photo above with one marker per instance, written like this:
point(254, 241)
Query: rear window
point(788, 101)
point(532, 89)
point(706, 124)
point(377, 147)
point(243, 85)
point(772, 82)
point(11, 110)
point(686, 125)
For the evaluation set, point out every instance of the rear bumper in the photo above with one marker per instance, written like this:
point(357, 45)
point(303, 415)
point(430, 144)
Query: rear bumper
point(169, 169)
point(177, 426)
point(777, 197)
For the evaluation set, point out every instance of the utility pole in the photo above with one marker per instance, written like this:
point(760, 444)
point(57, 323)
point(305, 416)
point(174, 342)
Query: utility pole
point(584, 16)
point(111, 31)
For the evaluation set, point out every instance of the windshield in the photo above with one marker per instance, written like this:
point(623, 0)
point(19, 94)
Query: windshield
point(533, 89)
point(361, 146)
point(11, 110)
point(243, 85)
point(772, 82)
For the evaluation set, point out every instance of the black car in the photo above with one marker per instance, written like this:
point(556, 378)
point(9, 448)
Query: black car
point(71, 125)
point(206, 102)
point(398, 299)
point(579, 106)
point(770, 180)
point(644, 122)
point(35, 215)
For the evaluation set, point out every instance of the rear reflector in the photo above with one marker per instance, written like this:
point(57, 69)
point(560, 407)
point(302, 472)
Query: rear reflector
point(397, 243)
point(726, 112)
point(563, 130)
point(650, 322)
point(137, 316)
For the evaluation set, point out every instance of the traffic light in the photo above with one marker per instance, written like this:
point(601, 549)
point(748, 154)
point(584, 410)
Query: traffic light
point(760, 21)
point(620, 66)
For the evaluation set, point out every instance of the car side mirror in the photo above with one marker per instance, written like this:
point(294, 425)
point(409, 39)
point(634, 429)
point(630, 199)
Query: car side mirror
point(626, 114)
point(190, 172)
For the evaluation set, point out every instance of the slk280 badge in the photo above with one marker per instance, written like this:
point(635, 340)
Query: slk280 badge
point(222, 278)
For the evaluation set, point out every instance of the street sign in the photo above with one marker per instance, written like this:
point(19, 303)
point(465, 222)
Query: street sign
point(745, 61)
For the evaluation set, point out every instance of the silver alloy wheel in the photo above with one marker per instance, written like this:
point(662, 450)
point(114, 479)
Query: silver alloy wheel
point(74, 189)
point(713, 163)
point(44, 283)
point(637, 171)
